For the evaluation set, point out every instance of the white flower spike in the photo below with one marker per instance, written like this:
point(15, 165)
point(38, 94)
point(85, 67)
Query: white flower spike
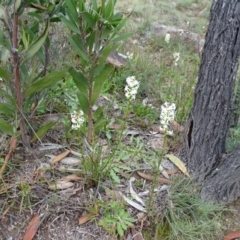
point(167, 38)
point(176, 57)
point(167, 115)
point(77, 119)
point(131, 88)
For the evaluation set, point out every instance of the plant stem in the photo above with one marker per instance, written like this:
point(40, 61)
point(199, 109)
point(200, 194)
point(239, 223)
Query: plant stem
point(90, 116)
point(17, 83)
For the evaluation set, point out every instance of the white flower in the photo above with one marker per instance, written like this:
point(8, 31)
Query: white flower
point(176, 57)
point(167, 38)
point(77, 118)
point(132, 82)
point(129, 55)
point(131, 88)
point(167, 115)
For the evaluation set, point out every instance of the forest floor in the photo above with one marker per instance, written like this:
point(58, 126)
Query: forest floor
point(46, 192)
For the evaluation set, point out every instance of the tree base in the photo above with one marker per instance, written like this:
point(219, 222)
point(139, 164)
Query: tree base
point(223, 184)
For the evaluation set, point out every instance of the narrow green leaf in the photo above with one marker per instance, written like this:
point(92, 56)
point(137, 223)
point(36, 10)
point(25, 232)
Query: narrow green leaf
point(4, 41)
point(83, 101)
point(34, 47)
point(24, 38)
point(6, 127)
point(94, 5)
point(98, 83)
point(89, 19)
point(71, 5)
point(8, 97)
point(105, 52)
point(90, 40)
point(98, 113)
point(80, 81)
point(46, 82)
point(4, 74)
point(119, 27)
point(76, 44)
point(6, 109)
point(109, 10)
point(71, 25)
point(42, 131)
point(122, 37)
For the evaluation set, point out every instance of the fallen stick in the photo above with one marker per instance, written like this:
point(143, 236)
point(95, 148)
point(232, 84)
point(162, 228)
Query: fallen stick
point(13, 144)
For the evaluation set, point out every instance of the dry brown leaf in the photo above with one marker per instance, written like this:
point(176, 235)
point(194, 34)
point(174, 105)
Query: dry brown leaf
point(32, 228)
point(232, 235)
point(115, 126)
point(60, 185)
point(177, 127)
point(60, 157)
point(13, 144)
point(150, 178)
point(70, 178)
point(84, 218)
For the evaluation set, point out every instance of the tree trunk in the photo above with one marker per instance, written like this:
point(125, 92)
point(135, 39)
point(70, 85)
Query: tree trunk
point(210, 117)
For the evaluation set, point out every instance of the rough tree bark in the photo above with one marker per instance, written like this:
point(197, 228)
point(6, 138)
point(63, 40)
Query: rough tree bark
point(210, 117)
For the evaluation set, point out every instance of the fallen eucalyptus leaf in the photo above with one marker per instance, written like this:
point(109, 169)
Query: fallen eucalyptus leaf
point(71, 178)
point(70, 161)
point(150, 178)
point(83, 219)
point(232, 235)
point(49, 146)
point(60, 157)
point(178, 163)
point(133, 204)
point(163, 171)
point(133, 194)
point(60, 184)
point(32, 227)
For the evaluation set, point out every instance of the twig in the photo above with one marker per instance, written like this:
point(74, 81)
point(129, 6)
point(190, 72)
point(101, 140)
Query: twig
point(13, 144)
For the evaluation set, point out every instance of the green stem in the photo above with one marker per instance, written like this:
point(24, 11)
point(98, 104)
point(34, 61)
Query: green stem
point(90, 116)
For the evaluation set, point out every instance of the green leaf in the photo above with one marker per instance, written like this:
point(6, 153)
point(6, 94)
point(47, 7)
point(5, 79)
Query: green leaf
point(98, 83)
point(122, 37)
point(105, 53)
point(119, 27)
point(114, 176)
point(42, 131)
point(4, 41)
point(25, 38)
point(80, 81)
point(6, 109)
point(46, 82)
point(90, 40)
point(78, 47)
point(72, 10)
point(88, 19)
point(98, 113)
point(71, 25)
point(119, 229)
point(6, 127)
point(34, 47)
point(4, 74)
point(17, 5)
point(109, 9)
point(83, 101)
point(8, 97)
